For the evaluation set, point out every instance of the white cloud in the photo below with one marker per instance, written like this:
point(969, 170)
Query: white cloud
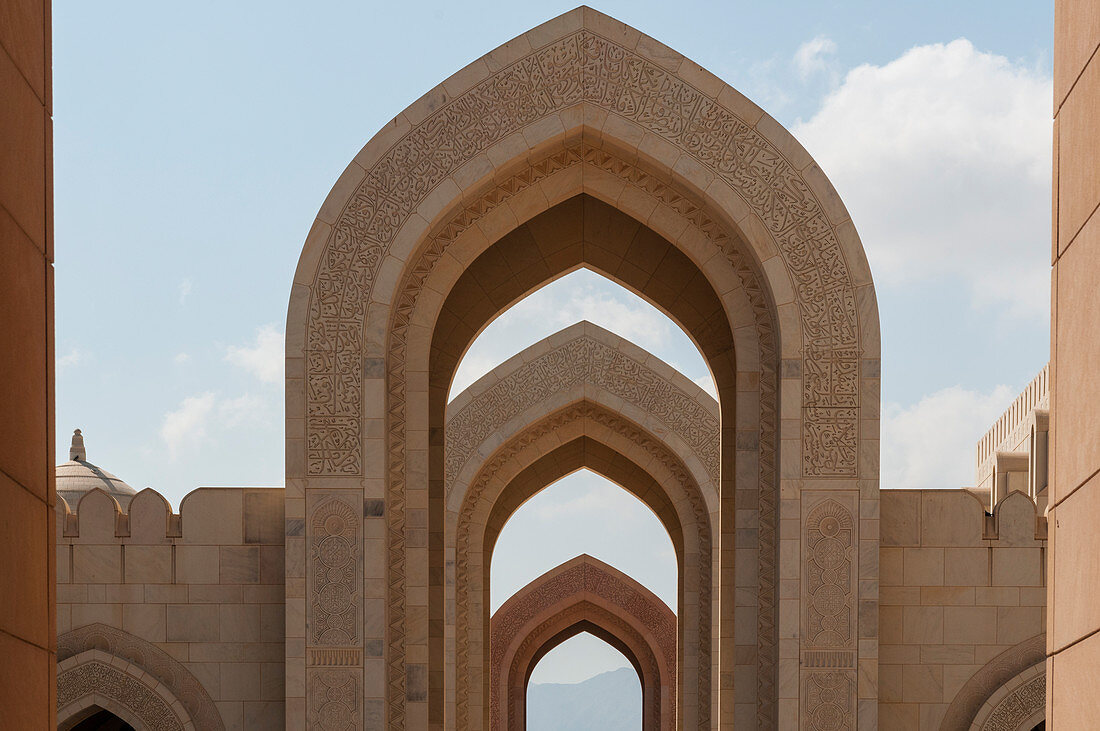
point(931, 443)
point(628, 317)
point(558, 505)
point(707, 384)
point(209, 415)
point(187, 425)
point(473, 366)
point(182, 358)
point(580, 295)
point(184, 290)
point(943, 158)
point(240, 410)
point(814, 56)
point(264, 358)
point(74, 357)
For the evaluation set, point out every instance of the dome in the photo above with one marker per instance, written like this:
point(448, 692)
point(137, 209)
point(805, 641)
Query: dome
point(78, 476)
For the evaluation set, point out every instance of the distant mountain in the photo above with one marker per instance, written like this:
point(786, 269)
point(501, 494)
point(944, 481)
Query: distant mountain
point(610, 701)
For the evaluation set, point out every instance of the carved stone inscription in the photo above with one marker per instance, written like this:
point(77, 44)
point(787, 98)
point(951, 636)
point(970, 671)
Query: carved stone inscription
point(581, 67)
point(99, 678)
point(1016, 711)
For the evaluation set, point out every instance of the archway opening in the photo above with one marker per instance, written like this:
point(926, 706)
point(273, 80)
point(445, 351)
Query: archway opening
point(667, 490)
point(100, 719)
point(583, 513)
point(580, 231)
point(581, 295)
point(608, 701)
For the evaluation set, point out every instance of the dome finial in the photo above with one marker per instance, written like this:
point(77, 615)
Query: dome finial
point(76, 451)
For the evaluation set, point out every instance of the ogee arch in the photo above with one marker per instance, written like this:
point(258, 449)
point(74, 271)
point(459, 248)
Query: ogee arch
point(583, 595)
point(581, 106)
point(580, 382)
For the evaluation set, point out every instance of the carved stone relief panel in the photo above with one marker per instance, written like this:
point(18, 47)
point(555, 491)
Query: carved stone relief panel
point(581, 67)
point(334, 638)
point(334, 571)
point(151, 660)
point(335, 699)
point(829, 637)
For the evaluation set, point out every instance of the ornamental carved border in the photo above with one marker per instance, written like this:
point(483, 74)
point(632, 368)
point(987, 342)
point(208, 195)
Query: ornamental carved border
point(97, 678)
point(173, 675)
point(506, 454)
point(767, 438)
point(584, 360)
point(968, 703)
point(1019, 709)
point(582, 67)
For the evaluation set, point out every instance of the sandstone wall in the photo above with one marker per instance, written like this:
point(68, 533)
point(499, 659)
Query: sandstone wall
point(204, 586)
point(26, 366)
point(1074, 645)
point(961, 592)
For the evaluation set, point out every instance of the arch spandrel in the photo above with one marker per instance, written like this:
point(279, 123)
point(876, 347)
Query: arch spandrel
point(490, 149)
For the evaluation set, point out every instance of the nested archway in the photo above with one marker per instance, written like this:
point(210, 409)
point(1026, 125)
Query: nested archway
point(583, 595)
point(578, 436)
point(581, 398)
point(690, 196)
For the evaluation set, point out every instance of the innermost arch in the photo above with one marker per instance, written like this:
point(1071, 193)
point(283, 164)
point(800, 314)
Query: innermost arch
point(581, 295)
point(584, 684)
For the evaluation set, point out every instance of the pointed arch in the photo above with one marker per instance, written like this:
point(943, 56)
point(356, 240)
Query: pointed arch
point(589, 435)
point(1019, 672)
point(583, 361)
point(726, 206)
point(99, 665)
point(583, 595)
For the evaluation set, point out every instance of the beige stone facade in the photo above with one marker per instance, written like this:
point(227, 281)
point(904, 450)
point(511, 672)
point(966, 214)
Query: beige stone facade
point(26, 365)
point(1074, 632)
point(357, 597)
point(178, 621)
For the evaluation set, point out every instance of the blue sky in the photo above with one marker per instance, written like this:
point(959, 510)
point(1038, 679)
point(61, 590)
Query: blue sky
point(194, 144)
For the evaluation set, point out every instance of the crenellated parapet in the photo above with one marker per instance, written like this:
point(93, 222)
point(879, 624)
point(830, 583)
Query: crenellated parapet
point(205, 586)
point(208, 515)
point(1012, 455)
point(216, 528)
